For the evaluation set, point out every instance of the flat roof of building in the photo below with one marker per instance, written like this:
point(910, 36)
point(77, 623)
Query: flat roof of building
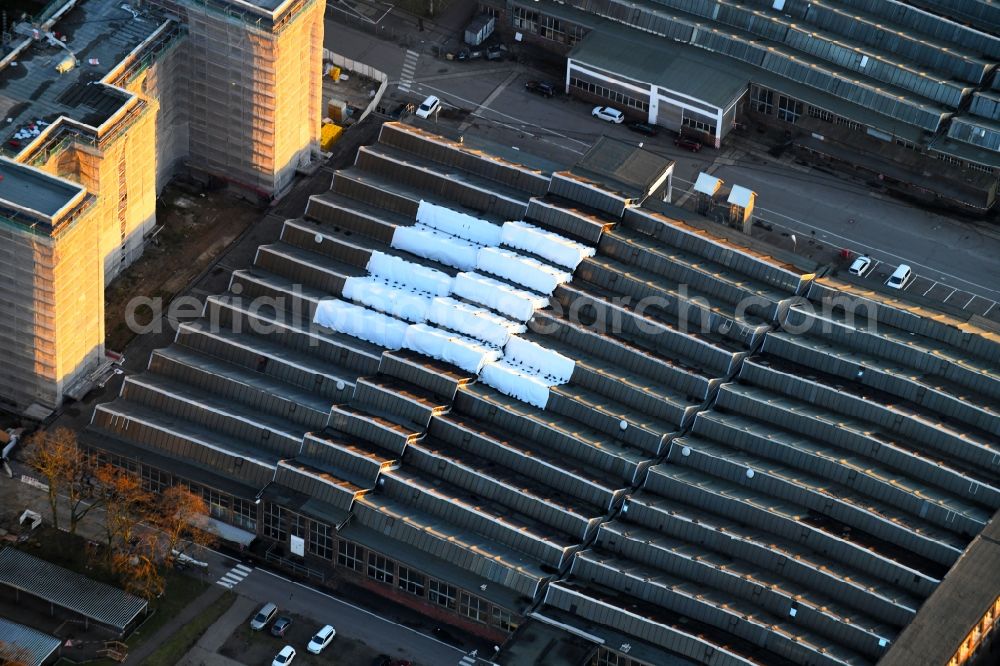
point(24, 645)
point(622, 167)
point(33, 190)
point(668, 64)
point(98, 35)
point(99, 602)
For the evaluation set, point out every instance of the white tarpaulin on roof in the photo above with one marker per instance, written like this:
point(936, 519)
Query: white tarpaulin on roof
point(475, 322)
point(377, 294)
point(514, 382)
point(547, 245)
point(361, 322)
point(521, 270)
point(468, 354)
point(395, 270)
point(517, 304)
point(437, 246)
point(458, 224)
point(550, 365)
point(527, 371)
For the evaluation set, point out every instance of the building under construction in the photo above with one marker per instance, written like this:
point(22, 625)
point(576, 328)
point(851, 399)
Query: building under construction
point(547, 405)
point(101, 102)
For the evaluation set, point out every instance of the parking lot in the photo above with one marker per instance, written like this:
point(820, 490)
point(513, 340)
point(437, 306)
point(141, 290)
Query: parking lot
point(934, 290)
point(259, 647)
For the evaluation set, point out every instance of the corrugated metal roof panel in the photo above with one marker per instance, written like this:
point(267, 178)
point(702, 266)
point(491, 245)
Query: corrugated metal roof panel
point(31, 647)
point(100, 602)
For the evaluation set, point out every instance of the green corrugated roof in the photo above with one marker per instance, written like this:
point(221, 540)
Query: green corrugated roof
point(671, 65)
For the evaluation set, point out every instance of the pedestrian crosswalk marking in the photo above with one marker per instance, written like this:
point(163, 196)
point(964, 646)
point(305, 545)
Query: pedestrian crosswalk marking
point(234, 576)
point(409, 70)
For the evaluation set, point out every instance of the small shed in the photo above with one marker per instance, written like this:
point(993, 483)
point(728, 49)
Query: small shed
point(479, 30)
point(741, 201)
point(706, 187)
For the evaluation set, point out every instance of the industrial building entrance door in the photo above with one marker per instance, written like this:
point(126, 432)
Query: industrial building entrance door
point(668, 115)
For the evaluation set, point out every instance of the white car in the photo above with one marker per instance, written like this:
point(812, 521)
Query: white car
point(899, 277)
point(860, 265)
point(285, 657)
point(607, 113)
point(428, 107)
point(322, 639)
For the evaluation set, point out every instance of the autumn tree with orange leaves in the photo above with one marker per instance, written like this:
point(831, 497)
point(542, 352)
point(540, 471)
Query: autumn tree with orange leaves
point(182, 517)
point(13, 655)
point(68, 471)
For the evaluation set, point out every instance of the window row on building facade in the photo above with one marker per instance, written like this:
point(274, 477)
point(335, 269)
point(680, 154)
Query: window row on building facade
point(609, 94)
point(279, 523)
point(383, 569)
point(532, 22)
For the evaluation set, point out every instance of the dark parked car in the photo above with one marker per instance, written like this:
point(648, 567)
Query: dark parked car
point(280, 626)
point(541, 87)
point(643, 128)
point(382, 660)
point(687, 143)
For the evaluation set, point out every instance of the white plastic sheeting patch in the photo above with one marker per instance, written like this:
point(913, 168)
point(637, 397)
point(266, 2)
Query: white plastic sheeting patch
point(468, 354)
point(512, 381)
point(458, 224)
point(527, 371)
point(400, 272)
point(360, 322)
point(517, 304)
point(377, 294)
point(521, 270)
point(437, 246)
point(547, 245)
point(473, 321)
point(552, 366)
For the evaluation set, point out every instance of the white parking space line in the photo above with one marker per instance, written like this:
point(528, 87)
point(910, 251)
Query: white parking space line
point(990, 308)
point(933, 284)
point(949, 295)
point(969, 301)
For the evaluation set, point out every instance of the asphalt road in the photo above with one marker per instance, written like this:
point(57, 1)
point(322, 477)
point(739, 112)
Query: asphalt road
point(812, 204)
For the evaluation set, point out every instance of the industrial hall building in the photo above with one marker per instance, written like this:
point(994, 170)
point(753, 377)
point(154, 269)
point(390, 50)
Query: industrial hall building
point(904, 90)
point(543, 405)
point(101, 102)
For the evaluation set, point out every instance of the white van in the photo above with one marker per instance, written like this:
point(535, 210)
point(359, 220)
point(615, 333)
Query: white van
point(428, 107)
point(608, 114)
point(899, 277)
